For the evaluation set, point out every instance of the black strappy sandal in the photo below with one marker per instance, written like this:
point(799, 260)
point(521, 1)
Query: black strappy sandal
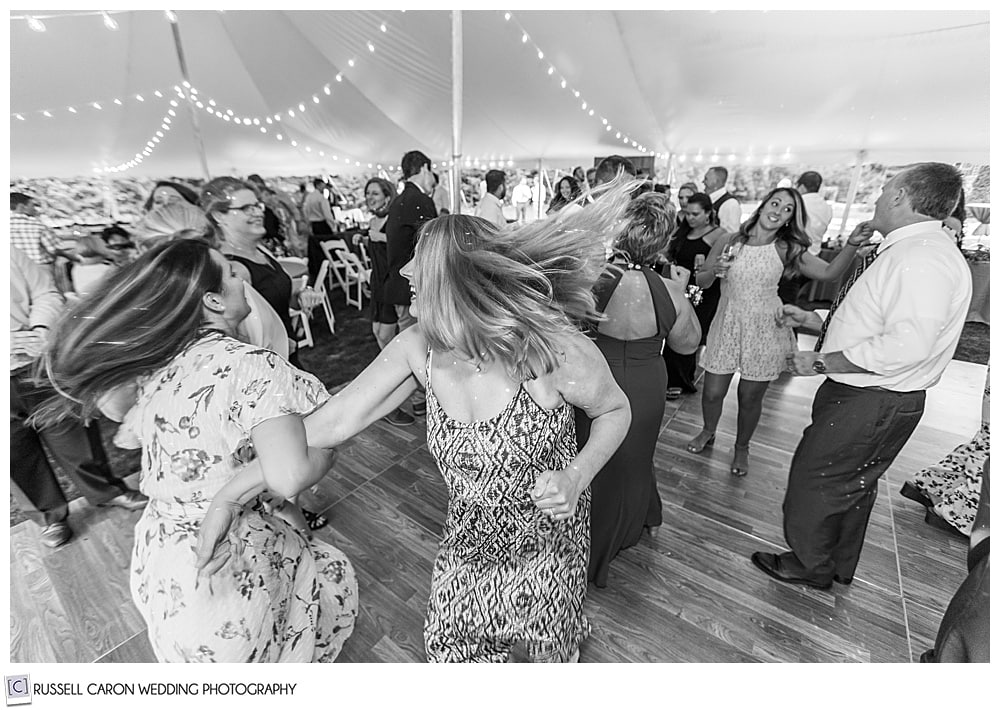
point(315, 521)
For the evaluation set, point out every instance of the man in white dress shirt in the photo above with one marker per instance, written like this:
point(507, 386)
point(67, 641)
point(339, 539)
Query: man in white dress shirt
point(889, 336)
point(521, 198)
point(490, 207)
point(819, 214)
point(725, 205)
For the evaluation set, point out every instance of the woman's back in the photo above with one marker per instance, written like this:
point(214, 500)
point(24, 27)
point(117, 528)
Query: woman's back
point(637, 305)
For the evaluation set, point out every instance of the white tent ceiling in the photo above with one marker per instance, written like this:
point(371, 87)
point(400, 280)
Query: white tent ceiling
point(731, 86)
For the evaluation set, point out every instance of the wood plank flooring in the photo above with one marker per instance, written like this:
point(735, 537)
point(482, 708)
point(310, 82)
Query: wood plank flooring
point(688, 593)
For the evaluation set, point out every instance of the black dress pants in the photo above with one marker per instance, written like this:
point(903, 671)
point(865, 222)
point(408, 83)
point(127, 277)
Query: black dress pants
point(321, 232)
point(75, 448)
point(855, 434)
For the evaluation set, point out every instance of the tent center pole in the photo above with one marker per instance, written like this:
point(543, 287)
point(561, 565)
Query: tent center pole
point(852, 191)
point(456, 110)
point(175, 28)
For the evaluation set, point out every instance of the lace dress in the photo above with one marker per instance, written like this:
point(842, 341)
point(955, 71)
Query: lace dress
point(505, 573)
point(744, 336)
point(285, 598)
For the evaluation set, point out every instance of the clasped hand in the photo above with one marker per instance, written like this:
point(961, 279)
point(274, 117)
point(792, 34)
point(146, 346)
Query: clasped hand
point(27, 342)
point(556, 493)
point(218, 542)
point(309, 299)
point(789, 316)
point(679, 274)
point(801, 362)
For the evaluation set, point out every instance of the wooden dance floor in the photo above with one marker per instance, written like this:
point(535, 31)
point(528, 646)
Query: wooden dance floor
point(688, 594)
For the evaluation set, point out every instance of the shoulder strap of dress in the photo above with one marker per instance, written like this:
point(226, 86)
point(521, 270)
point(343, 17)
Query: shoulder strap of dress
point(606, 285)
point(427, 370)
point(663, 305)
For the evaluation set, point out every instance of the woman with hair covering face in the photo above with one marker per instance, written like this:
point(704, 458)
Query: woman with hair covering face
point(498, 348)
point(642, 310)
point(746, 334)
point(208, 403)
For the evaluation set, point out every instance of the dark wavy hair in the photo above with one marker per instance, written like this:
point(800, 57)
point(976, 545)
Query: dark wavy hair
point(189, 195)
point(792, 233)
point(387, 190)
point(684, 229)
point(145, 315)
point(558, 201)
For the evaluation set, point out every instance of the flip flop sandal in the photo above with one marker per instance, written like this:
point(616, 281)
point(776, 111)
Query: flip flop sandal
point(674, 392)
point(314, 520)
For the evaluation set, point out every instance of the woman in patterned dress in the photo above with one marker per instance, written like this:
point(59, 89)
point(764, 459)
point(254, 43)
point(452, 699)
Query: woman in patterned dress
point(207, 403)
point(950, 488)
point(498, 348)
point(745, 336)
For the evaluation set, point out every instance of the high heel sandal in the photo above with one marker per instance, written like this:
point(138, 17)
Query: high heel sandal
point(701, 442)
point(741, 463)
point(314, 520)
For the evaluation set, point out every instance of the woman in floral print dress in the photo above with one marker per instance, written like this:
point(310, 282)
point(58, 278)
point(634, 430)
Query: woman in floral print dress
point(208, 403)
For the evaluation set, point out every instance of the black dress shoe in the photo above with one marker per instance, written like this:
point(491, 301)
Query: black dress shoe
point(56, 534)
point(936, 521)
point(915, 494)
point(770, 564)
point(842, 580)
point(129, 500)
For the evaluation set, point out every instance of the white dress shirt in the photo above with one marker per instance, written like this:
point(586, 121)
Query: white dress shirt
point(819, 214)
point(521, 194)
point(490, 208)
point(730, 214)
point(902, 318)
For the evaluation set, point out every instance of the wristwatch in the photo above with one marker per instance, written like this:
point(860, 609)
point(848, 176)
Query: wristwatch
point(819, 365)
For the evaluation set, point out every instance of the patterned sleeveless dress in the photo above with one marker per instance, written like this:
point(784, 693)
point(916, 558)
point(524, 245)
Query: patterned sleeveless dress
point(505, 573)
point(744, 336)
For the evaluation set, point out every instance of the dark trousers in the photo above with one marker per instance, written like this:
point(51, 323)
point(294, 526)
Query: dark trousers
point(681, 369)
point(321, 232)
point(855, 435)
point(76, 449)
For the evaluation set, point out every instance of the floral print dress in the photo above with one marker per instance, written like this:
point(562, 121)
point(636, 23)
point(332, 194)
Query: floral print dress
point(285, 598)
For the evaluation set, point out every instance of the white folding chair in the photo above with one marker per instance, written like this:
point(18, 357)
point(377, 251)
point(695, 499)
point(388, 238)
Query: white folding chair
point(306, 341)
point(338, 269)
point(365, 259)
point(356, 275)
point(320, 287)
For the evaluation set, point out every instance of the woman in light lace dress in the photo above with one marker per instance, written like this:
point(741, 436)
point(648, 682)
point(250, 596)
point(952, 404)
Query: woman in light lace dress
point(745, 336)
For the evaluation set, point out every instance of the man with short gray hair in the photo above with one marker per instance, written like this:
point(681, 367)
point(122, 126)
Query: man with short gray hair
point(889, 336)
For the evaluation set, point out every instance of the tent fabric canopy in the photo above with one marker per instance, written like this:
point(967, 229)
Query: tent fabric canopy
point(741, 86)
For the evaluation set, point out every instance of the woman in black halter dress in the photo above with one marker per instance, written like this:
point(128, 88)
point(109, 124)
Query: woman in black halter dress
point(643, 311)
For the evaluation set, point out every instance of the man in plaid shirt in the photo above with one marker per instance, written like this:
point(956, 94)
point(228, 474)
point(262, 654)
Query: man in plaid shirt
point(28, 234)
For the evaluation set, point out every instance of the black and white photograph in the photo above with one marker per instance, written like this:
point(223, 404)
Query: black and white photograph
point(613, 336)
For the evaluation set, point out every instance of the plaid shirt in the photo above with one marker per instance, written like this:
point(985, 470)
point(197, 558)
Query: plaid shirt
point(33, 238)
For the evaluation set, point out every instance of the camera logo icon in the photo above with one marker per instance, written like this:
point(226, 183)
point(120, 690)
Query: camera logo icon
point(18, 689)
